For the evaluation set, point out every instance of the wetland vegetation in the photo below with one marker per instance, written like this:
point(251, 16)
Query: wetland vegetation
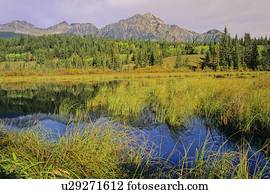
point(164, 110)
point(86, 107)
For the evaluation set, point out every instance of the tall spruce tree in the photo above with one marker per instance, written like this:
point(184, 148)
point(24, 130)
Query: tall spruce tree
point(236, 59)
point(247, 50)
point(224, 50)
point(254, 56)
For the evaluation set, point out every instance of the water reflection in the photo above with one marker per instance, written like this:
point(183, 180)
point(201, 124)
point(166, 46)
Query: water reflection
point(19, 100)
point(163, 143)
point(171, 145)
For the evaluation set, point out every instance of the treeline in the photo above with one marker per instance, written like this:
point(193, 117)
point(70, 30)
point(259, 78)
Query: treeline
point(238, 53)
point(65, 51)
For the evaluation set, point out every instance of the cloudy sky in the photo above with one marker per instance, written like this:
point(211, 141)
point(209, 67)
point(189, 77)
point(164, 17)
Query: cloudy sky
point(199, 15)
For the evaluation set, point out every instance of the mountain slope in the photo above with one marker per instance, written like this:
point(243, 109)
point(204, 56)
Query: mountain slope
point(146, 27)
point(83, 29)
point(23, 27)
point(210, 36)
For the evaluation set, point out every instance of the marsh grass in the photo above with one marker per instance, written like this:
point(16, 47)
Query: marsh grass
point(238, 104)
point(96, 153)
point(92, 153)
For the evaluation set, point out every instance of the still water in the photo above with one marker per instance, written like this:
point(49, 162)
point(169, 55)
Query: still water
point(36, 107)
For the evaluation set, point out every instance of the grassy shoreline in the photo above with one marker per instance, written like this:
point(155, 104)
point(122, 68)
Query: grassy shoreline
point(97, 153)
point(93, 153)
point(83, 76)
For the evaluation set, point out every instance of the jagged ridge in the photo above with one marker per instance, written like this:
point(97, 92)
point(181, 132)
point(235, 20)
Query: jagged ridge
point(146, 26)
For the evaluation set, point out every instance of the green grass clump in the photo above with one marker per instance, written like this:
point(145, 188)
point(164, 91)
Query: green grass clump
point(94, 153)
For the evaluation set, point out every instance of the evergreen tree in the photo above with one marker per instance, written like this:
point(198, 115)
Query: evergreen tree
point(115, 58)
point(206, 61)
point(266, 58)
point(247, 50)
point(213, 55)
point(224, 50)
point(254, 57)
point(236, 54)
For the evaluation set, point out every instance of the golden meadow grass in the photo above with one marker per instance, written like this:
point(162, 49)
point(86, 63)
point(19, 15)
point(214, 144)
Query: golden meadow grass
point(84, 76)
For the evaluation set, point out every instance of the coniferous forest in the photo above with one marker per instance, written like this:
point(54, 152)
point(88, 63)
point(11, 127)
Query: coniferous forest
point(66, 51)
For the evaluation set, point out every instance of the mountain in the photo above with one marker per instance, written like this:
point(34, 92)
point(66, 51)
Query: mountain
point(23, 27)
point(83, 29)
point(60, 28)
point(210, 36)
point(146, 27)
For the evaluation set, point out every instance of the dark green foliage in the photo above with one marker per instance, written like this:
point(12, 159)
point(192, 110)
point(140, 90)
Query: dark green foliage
point(225, 57)
point(211, 58)
point(265, 61)
point(206, 62)
point(66, 51)
point(234, 53)
point(254, 56)
point(63, 51)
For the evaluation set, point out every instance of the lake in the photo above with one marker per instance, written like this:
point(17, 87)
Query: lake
point(50, 107)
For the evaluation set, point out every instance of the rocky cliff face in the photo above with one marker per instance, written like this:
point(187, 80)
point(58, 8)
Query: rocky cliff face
point(146, 27)
point(83, 29)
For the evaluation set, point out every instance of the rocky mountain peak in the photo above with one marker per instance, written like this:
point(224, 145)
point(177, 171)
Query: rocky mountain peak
point(149, 15)
point(213, 31)
point(140, 26)
point(61, 24)
point(21, 23)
